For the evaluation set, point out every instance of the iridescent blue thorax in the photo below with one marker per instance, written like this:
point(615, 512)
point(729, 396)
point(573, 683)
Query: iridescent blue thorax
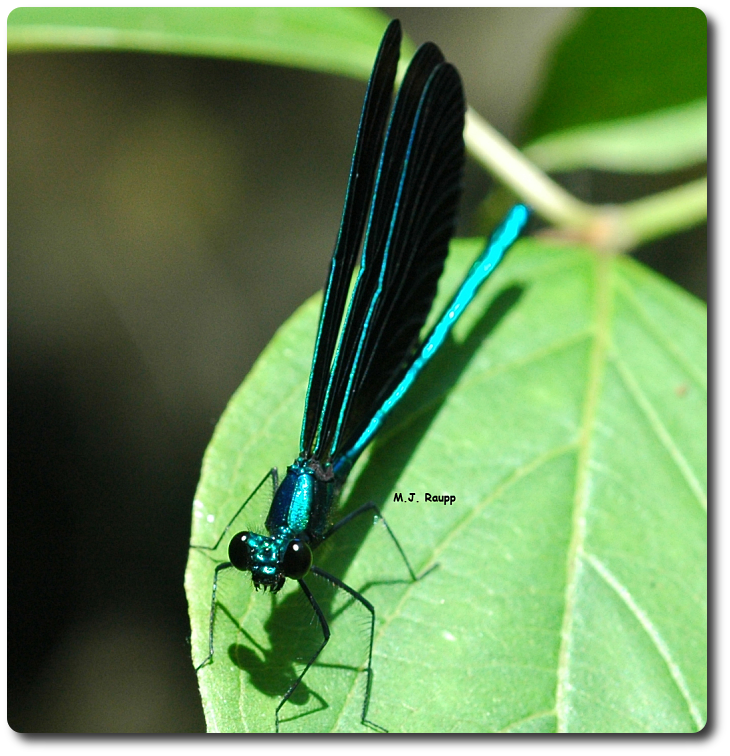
point(303, 502)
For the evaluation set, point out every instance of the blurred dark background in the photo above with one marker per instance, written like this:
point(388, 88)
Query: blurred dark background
point(165, 215)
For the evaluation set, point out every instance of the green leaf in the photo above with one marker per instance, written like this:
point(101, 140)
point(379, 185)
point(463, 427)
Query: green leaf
point(336, 40)
point(665, 140)
point(620, 62)
point(568, 417)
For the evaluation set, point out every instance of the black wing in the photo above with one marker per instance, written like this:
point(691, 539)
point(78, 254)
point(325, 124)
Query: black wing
point(357, 199)
point(411, 221)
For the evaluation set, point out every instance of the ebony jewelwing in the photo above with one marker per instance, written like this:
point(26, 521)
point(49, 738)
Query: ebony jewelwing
point(400, 206)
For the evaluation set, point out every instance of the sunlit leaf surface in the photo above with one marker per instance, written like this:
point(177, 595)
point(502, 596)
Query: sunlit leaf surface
point(568, 418)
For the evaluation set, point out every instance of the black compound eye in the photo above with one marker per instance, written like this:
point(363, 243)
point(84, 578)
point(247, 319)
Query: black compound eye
point(239, 551)
point(297, 560)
